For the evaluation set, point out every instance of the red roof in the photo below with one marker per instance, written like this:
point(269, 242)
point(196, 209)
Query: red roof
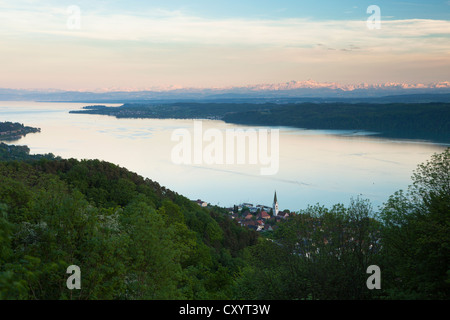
point(264, 214)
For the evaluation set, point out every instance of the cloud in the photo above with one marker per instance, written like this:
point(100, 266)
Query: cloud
point(174, 27)
point(150, 47)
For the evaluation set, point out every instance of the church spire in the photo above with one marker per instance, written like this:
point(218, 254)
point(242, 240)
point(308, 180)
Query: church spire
point(275, 205)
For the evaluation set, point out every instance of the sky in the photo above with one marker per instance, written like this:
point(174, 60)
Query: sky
point(138, 45)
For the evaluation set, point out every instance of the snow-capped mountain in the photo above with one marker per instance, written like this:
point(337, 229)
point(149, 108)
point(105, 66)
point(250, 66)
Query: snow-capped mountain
point(311, 84)
point(291, 89)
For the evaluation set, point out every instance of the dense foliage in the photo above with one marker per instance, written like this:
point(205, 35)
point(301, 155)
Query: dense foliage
point(324, 253)
point(416, 234)
point(11, 152)
point(134, 239)
point(319, 253)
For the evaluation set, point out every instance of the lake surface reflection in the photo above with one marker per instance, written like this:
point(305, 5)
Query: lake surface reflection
point(315, 166)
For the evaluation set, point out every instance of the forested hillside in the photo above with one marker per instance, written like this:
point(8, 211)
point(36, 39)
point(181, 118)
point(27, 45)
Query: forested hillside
point(131, 237)
point(134, 239)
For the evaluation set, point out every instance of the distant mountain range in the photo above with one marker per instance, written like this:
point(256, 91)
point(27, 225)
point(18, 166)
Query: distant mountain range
point(311, 84)
point(308, 91)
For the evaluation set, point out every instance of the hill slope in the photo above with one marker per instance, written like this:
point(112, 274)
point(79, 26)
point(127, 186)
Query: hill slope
point(131, 237)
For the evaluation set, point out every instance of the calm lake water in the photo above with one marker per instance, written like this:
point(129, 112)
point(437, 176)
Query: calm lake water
point(315, 166)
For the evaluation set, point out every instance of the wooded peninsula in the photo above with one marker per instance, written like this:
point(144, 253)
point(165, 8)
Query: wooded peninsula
point(425, 121)
point(14, 130)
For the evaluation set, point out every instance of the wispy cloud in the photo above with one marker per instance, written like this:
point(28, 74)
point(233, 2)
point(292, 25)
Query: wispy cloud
point(174, 27)
point(148, 47)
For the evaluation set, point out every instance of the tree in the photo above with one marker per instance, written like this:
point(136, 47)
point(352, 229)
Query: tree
point(319, 253)
point(416, 237)
point(131, 237)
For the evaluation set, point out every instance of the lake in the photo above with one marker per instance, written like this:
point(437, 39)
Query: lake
point(315, 166)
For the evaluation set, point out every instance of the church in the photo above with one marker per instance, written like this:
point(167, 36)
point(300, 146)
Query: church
point(275, 209)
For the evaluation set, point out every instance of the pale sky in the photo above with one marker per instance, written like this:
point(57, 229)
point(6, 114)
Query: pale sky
point(210, 43)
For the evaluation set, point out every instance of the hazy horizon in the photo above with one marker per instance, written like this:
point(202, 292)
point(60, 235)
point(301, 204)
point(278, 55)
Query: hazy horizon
point(288, 85)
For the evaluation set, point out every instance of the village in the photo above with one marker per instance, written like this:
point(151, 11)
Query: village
point(256, 217)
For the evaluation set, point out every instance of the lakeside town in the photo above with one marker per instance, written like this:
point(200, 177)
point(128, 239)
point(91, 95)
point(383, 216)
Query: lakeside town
point(256, 217)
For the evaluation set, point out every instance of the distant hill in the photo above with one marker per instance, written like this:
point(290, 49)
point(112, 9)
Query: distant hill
point(424, 121)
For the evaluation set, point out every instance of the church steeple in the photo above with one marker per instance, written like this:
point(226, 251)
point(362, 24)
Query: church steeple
point(275, 205)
